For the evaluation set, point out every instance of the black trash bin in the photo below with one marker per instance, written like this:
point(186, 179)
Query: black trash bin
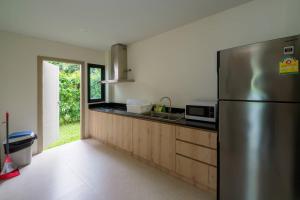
point(20, 144)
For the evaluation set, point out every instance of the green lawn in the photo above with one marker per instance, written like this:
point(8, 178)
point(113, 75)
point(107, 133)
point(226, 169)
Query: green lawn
point(67, 133)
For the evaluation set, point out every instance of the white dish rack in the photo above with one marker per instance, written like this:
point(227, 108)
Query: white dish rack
point(138, 106)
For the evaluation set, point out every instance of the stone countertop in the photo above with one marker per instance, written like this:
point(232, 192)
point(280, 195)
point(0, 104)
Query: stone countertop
point(120, 109)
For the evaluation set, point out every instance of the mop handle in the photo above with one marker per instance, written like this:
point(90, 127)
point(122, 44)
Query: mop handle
point(7, 140)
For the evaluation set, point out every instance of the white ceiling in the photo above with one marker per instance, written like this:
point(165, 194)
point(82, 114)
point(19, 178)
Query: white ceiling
point(98, 24)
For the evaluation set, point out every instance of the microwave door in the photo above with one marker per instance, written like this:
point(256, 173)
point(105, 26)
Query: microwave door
point(200, 111)
point(203, 113)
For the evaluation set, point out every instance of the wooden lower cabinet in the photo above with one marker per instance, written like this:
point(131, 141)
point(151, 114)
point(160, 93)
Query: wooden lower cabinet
point(200, 174)
point(163, 145)
point(197, 136)
point(105, 126)
point(196, 156)
point(100, 125)
point(92, 123)
point(141, 138)
point(196, 152)
point(155, 142)
point(195, 171)
point(122, 132)
point(188, 152)
point(113, 129)
point(212, 179)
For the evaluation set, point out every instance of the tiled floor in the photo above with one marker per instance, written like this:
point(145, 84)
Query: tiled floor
point(88, 170)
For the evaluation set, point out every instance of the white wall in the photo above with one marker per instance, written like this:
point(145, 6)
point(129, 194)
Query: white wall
point(181, 63)
point(18, 75)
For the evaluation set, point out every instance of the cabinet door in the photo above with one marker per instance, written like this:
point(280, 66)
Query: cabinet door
point(107, 127)
point(126, 142)
point(167, 152)
point(92, 124)
point(122, 132)
point(102, 126)
point(97, 125)
point(116, 130)
point(142, 138)
point(163, 145)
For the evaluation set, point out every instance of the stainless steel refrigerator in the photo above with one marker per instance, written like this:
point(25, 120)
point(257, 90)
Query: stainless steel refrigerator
point(259, 121)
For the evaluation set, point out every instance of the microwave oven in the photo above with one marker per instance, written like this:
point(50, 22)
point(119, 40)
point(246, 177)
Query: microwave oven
point(201, 111)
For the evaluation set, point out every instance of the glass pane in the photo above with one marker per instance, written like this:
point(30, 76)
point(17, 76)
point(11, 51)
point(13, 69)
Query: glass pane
point(95, 78)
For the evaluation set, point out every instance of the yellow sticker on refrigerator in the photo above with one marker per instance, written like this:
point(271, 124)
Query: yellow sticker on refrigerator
point(289, 65)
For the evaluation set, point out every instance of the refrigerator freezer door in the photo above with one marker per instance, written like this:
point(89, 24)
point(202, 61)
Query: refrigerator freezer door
point(259, 151)
point(253, 72)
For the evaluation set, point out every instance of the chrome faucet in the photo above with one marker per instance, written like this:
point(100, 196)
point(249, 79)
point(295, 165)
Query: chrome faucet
point(170, 102)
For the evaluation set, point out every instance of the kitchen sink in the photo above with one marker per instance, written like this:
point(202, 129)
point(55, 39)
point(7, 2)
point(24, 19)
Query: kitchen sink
point(165, 116)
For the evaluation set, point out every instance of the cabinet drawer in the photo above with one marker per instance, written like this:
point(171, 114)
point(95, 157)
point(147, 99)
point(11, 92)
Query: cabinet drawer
point(197, 136)
point(196, 152)
point(195, 171)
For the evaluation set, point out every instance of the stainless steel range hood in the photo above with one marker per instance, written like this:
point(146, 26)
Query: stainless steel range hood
point(119, 71)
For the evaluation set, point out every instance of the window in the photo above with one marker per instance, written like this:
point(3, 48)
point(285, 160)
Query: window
point(96, 89)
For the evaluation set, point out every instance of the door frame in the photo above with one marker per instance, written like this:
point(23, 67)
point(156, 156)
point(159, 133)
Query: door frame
point(40, 86)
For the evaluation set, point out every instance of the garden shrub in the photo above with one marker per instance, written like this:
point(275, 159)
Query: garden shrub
point(69, 92)
point(95, 88)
